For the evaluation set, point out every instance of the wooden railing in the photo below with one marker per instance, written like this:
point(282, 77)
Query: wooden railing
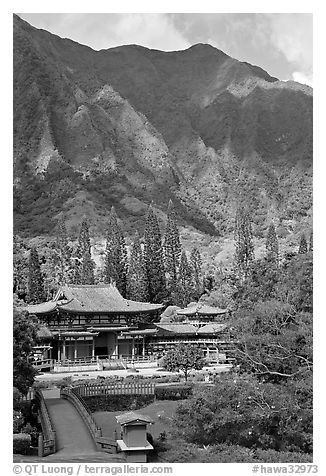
point(106, 444)
point(43, 364)
point(92, 390)
point(47, 441)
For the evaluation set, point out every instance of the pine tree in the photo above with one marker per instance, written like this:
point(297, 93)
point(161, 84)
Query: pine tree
point(303, 247)
point(171, 247)
point(272, 243)
point(311, 243)
point(244, 248)
point(20, 268)
point(36, 293)
point(115, 261)
point(136, 278)
point(62, 257)
point(196, 264)
point(153, 254)
point(84, 265)
point(185, 281)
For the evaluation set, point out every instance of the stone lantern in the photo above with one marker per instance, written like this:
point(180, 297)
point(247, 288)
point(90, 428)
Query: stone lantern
point(134, 441)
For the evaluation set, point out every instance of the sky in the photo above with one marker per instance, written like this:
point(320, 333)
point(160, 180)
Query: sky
point(280, 43)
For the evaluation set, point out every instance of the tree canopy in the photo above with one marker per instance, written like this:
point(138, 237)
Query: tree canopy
point(184, 358)
point(24, 338)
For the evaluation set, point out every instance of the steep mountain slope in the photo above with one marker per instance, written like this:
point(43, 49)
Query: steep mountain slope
point(129, 125)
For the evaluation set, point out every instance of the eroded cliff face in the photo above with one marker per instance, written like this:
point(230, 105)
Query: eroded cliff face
point(128, 125)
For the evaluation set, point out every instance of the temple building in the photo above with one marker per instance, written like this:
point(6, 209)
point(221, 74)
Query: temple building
point(88, 323)
point(198, 324)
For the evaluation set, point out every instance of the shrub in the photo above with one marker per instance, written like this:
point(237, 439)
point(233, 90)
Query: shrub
point(16, 397)
point(64, 383)
point(272, 456)
point(21, 443)
point(181, 453)
point(18, 421)
point(113, 403)
point(175, 392)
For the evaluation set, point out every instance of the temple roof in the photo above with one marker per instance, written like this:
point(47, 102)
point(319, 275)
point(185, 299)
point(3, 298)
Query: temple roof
point(200, 309)
point(189, 329)
point(97, 299)
point(43, 308)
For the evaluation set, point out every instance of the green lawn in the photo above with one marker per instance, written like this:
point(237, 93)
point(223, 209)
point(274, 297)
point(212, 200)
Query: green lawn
point(160, 411)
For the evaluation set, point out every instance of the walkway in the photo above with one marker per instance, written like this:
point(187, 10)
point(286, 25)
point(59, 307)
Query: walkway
point(72, 435)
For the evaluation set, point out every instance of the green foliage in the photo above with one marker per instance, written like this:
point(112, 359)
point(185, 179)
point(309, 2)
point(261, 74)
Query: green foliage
point(24, 338)
point(171, 247)
point(272, 244)
point(153, 253)
point(136, 278)
point(173, 392)
point(21, 443)
point(185, 358)
point(240, 410)
point(244, 248)
point(84, 265)
point(36, 293)
point(18, 421)
point(62, 255)
point(184, 285)
point(274, 341)
point(180, 451)
point(115, 261)
point(20, 268)
point(303, 247)
point(296, 282)
point(114, 403)
point(196, 265)
point(311, 243)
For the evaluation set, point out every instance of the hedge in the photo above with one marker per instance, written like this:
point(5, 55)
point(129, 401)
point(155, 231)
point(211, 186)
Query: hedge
point(21, 443)
point(175, 392)
point(113, 403)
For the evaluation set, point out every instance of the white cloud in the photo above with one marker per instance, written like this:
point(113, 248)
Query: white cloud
point(302, 78)
point(292, 36)
point(102, 31)
point(153, 30)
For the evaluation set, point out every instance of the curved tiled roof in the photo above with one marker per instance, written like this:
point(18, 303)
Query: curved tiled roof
point(201, 309)
point(100, 298)
point(43, 308)
point(97, 299)
point(186, 328)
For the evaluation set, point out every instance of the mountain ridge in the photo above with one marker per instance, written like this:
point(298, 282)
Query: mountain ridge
point(129, 125)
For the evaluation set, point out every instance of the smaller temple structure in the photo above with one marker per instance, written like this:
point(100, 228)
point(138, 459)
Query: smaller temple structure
point(198, 324)
point(134, 441)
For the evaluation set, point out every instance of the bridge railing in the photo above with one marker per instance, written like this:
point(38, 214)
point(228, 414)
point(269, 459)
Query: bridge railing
point(47, 441)
point(75, 398)
point(94, 389)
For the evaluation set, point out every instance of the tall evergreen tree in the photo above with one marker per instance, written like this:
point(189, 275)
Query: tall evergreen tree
point(36, 293)
point(153, 253)
point(20, 268)
point(303, 247)
point(272, 243)
point(136, 277)
point(115, 261)
point(84, 265)
point(185, 281)
point(62, 256)
point(244, 247)
point(171, 247)
point(196, 264)
point(311, 243)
